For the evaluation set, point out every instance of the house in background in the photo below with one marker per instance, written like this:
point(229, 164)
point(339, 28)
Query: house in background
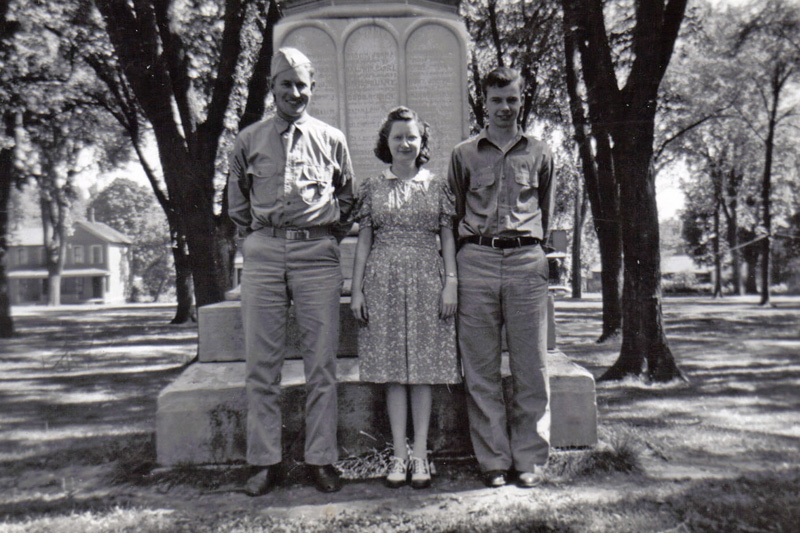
point(96, 267)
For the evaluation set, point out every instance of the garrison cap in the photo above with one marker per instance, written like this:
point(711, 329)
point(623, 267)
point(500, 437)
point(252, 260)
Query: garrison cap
point(288, 58)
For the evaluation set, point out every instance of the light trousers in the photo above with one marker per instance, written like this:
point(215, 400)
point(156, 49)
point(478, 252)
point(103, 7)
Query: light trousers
point(508, 287)
point(276, 272)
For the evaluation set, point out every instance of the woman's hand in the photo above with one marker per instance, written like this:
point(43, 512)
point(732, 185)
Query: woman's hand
point(359, 307)
point(448, 300)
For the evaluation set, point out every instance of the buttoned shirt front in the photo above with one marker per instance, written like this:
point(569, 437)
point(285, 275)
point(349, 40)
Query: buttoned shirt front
point(502, 192)
point(289, 175)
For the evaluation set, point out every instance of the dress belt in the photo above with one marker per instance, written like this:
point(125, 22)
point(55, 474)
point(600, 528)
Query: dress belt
point(297, 234)
point(501, 242)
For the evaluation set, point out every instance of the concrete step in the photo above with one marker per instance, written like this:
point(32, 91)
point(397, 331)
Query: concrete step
point(221, 337)
point(201, 416)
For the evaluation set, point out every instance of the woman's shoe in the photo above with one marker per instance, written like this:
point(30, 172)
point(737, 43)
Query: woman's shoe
point(420, 473)
point(396, 474)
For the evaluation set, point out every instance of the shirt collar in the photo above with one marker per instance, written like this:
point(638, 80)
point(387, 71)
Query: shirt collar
point(282, 125)
point(483, 136)
point(422, 174)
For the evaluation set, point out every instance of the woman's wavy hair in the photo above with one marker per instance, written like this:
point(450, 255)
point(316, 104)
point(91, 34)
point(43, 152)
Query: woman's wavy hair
point(405, 114)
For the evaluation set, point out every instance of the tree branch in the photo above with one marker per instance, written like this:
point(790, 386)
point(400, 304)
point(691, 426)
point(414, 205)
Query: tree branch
point(230, 51)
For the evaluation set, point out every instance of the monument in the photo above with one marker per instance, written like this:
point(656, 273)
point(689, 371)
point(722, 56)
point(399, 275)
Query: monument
point(369, 57)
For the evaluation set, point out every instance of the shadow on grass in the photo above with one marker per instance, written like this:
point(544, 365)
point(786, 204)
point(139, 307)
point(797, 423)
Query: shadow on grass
point(76, 384)
point(80, 388)
point(743, 362)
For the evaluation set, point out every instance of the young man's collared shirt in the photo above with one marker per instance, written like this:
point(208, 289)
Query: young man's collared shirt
point(294, 175)
point(502, 193)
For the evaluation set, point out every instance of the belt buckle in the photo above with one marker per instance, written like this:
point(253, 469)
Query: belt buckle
point(297, 234)
point(495, 239)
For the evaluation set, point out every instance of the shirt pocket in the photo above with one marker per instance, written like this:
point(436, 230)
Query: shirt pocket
point(482, 178)
point(315, 182)
point(267, 182)
point(523, 176)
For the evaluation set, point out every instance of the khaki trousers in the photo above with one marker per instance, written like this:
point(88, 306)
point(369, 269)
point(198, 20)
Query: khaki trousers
point(505, 287)
point(276, 272)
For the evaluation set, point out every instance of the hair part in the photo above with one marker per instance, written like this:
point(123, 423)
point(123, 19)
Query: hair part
point(502, 77)
point(404, 114)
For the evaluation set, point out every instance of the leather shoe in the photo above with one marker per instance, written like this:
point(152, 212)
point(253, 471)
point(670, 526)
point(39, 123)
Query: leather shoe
point(527, 480)
point(494, 478)
point(264, 478)
point(325, 477)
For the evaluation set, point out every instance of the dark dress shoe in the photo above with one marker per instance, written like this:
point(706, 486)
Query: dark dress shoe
point(325, 477)
point(494, 478)
point(262, 480)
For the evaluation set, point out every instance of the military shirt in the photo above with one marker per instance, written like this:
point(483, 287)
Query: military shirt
point(502, 192)
point(290, 175)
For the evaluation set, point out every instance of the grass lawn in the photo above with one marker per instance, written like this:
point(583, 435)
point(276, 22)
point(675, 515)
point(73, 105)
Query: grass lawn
point(78, 389)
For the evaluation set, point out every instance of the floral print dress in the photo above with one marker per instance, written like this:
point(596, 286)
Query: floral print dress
point(404, 340)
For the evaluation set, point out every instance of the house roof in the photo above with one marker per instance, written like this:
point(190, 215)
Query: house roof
point(32, 236)
point(104, 232)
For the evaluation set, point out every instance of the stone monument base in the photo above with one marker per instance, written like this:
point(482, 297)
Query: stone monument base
point(201, 416)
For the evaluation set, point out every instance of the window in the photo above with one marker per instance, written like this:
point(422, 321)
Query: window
point(97, 254)
point(77, 254)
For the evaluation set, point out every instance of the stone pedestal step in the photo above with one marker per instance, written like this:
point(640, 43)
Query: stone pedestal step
point(201, 416)
point(221, 337)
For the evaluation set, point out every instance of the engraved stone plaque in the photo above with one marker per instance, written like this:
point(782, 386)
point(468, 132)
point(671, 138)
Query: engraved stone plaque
point(433, 88)
point(372, 88)
point(321, 50)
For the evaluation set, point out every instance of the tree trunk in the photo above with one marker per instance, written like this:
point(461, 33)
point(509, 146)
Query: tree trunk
point(188, 182)
point(55, 245)
point(609, 234)
point(6, 321)
point(766, 204)
point(717, 256)
point(599, 179)
point(6, 179)
point(645, 351)
point(55, 266)
point(751, 252)
point(610, 242)
point(183, 286)
point(736, 254)
point(577, 237)
point(53, 290)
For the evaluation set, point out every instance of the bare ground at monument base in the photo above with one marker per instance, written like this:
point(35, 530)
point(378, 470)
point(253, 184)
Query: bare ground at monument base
point(78, 389)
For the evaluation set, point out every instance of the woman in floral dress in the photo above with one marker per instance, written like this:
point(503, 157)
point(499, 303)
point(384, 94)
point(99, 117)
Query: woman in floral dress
point(404, 290)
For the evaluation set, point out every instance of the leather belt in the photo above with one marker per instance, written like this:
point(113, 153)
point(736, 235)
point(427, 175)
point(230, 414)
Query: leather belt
point(501, 242)
point(297, 234)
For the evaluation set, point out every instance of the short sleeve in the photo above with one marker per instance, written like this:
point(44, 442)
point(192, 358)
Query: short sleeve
point(362, 212)
point(447, 204)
